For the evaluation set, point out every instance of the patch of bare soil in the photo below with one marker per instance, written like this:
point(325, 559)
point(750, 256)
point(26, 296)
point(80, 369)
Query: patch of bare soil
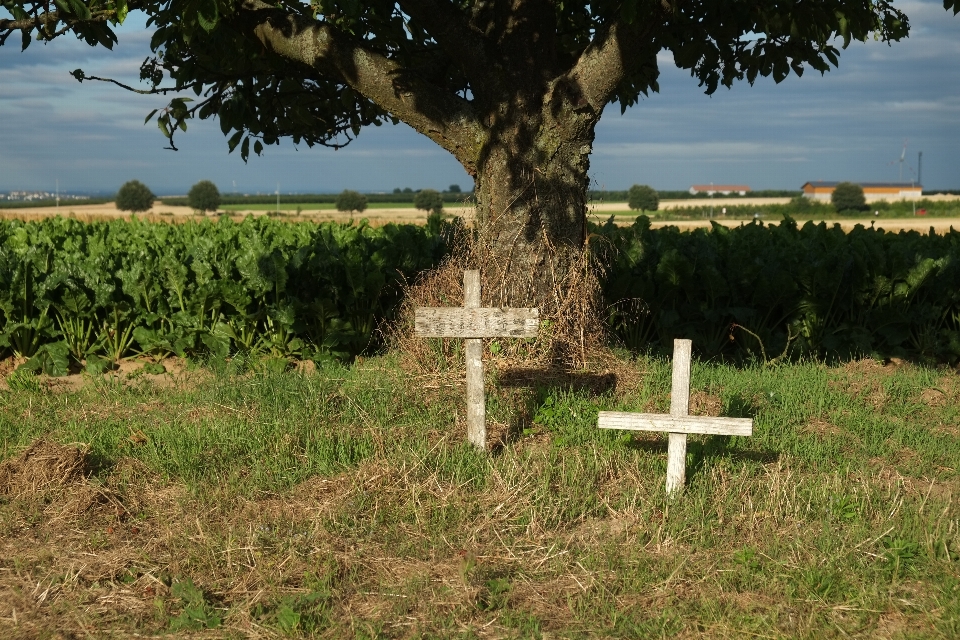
point(821, 428)
point(129, 371)
point(863, 379)
point(704, 404)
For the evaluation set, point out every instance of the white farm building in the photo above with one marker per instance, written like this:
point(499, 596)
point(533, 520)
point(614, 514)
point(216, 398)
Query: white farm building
point(872, 191)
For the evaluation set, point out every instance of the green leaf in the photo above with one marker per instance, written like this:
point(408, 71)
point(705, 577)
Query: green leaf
point(234, 140)
point(163, 122)
point(80, 9)
point(52, 359)
point(122, 10)
point(245, 148)
point(258, 147)
point(208, 15)
point(145, 120)
point(97, 365)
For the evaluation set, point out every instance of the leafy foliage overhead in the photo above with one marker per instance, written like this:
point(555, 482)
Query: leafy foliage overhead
point(320, 71)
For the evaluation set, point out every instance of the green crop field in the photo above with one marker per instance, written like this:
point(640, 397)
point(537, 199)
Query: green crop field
point(237, 499)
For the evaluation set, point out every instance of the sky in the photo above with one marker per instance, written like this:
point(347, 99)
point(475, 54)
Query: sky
point(850, 124)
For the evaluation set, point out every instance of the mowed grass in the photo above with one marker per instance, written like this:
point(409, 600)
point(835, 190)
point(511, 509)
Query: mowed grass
point(343, 503)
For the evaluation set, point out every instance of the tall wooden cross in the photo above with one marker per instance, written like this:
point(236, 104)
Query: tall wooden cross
point(679, 423)
point(474, 323)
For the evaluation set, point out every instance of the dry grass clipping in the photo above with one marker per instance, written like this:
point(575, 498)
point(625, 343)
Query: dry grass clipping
point(56, 476)
point(571, 336)
point(41, 467)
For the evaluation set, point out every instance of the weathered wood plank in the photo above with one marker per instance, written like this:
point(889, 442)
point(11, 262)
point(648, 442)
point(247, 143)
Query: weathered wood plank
point(451, 322)
point(679, 407)
point(675, 424)
point(476, 400)
point(680, 387)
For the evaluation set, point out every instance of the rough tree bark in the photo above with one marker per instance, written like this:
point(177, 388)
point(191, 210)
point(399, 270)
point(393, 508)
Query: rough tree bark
point(531, 185)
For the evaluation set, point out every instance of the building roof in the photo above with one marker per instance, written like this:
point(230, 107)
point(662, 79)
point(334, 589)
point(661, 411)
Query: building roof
point(901, 185)
point(720, 187)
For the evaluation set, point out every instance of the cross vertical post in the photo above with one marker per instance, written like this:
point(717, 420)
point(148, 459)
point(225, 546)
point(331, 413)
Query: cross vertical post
point(476, 403)
point(473, 323)
point(679, 407)
point(679, 423)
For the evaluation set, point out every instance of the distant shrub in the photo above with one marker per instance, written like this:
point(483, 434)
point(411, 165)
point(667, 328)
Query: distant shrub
point(643, 197)
point(428, 200)
point(204, 196)
point(351, 201)
point(134, 196)
point(454, 188)
point(848, 196)
point(801, 203)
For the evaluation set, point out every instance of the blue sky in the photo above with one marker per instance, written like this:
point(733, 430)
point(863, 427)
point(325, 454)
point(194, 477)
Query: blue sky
point(848, 125)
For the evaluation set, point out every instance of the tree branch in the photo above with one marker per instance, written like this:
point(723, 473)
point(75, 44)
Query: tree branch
point(612, 57)
point(447, 119)
point(46, 17)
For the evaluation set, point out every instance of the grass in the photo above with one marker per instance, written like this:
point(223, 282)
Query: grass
point(342, 502)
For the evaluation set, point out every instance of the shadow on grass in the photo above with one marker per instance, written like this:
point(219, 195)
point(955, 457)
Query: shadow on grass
point(550, 380)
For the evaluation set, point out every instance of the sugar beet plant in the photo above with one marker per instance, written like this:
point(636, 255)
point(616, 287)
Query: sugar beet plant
point(813, 291)
point(72, 292)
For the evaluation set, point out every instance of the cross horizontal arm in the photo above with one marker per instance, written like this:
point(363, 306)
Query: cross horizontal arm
point(675, 424)
point(454, 322)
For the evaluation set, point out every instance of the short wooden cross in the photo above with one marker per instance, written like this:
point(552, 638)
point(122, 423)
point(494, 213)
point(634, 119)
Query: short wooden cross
point(474, 323)
point(678, 424)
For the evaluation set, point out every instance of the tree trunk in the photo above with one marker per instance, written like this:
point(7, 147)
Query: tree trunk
point(531, 190)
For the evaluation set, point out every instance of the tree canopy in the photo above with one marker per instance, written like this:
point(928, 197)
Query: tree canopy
point(848, 196)
point(134, 196)
point(204, 196)
point(319, 72)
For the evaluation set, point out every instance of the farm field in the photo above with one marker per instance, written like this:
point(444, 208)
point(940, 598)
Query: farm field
point(672, 212)
point(245, 499)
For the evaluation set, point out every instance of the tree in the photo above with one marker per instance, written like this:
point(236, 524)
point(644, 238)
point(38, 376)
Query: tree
point(428, 200)
point(642, 197)
point(134, 196)
point(351, 201)
point(513, 89)
point(204, 196)
point(454, 188)
point(848, 196)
